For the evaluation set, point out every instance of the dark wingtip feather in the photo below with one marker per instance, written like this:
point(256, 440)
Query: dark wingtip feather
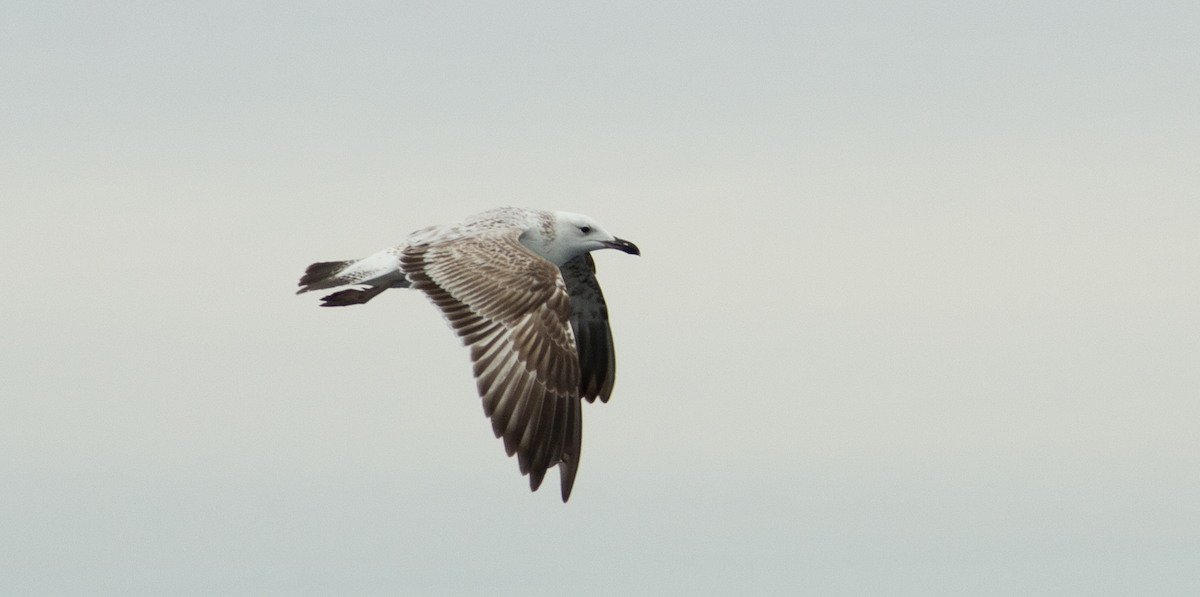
point(566, 474)
point(572, 443)
point(535, 479)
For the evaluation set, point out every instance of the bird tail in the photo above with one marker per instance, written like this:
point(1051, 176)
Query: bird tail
point(379, 272)
point(324, 275)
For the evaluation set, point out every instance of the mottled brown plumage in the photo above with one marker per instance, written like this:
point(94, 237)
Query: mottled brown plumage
point(519, 288)
point(513, 312)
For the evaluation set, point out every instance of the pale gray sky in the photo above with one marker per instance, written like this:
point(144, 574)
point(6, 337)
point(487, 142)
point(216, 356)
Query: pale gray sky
point(916, 312)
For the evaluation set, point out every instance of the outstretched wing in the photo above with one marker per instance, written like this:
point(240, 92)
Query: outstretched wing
point(593, 336)
point(511, 308)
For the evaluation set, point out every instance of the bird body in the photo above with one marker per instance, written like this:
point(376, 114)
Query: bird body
point(519, 287)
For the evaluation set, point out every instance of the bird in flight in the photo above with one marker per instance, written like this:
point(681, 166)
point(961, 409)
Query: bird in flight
point(519, 287)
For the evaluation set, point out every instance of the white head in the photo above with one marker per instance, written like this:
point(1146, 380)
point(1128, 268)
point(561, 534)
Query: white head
point(573, 235)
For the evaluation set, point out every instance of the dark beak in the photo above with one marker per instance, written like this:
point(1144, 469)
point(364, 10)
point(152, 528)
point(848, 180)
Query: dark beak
point(622, 245)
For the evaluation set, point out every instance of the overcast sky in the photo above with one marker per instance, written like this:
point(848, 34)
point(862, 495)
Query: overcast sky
point(916, 312)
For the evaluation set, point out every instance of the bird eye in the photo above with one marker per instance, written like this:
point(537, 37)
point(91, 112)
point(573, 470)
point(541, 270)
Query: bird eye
point(585, 229)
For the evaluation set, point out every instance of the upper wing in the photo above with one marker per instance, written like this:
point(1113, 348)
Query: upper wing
point(593, 336)
point(511, 307)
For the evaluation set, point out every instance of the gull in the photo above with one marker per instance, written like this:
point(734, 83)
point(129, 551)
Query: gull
point(519, 288)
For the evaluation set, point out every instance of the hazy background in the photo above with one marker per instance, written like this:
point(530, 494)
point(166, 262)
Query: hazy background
point(917, 311)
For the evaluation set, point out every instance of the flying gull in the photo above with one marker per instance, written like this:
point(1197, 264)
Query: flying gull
point(519, 287)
